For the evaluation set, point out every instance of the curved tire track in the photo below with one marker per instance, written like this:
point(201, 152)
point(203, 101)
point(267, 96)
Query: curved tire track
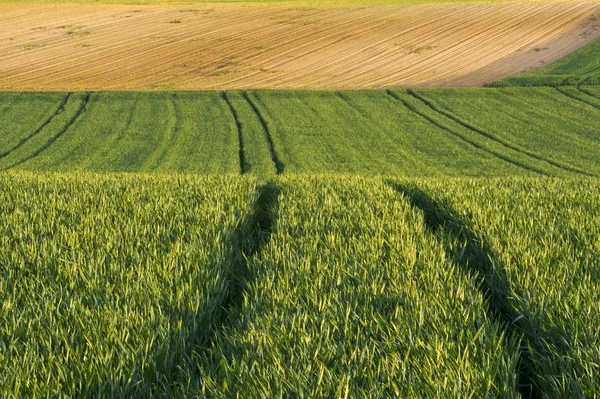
point(81, 110)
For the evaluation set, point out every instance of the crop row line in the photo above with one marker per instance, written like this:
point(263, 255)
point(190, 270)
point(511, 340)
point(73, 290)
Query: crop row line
point(244, 167)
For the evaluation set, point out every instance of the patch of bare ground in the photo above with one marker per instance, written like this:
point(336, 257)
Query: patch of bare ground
point(224, 46)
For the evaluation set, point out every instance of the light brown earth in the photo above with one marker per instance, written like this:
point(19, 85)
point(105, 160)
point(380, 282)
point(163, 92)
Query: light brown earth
point(223, 46)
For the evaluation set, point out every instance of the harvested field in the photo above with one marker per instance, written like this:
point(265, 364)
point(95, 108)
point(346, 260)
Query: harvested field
point(223, 46)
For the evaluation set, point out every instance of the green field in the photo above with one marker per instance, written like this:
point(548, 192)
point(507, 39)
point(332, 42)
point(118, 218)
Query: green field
point(414, 133)
point(110, 283)
point(319, 286)
point(275, 243)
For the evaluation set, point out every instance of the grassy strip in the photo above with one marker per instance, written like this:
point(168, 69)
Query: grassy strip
point(545, 239)
point(352, 298)
point(109, 283)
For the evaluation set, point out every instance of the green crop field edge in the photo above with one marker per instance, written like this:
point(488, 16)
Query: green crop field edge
point(412, 133)
point(580, 68)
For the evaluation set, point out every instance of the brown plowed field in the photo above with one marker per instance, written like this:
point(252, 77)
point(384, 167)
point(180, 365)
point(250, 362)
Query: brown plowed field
point(222, 46)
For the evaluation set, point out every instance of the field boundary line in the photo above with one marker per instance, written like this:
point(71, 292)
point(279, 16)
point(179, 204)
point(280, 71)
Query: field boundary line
point(476, 259)
point(61, 108)
point(279, 166)
point(466, 140)
point(572, 97)
point(81, 110)
point(496, 139)
point(244, 165)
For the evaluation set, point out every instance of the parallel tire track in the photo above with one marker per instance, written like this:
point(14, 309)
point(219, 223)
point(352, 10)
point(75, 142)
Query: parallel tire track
point(24, 140)
point(244, 167)
point(81, 110)
point(279, 166)
point(492, 137)
point(465, 139)
point(589, 93)
point(580, 100)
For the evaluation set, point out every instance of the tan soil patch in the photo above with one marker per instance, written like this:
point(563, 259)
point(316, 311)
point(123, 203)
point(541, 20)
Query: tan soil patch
point(224, 46)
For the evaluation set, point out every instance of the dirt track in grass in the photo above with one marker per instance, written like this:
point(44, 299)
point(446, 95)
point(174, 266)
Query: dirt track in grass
point(223, 46)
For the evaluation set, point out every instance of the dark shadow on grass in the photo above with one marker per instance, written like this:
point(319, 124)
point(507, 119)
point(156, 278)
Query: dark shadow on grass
point(172, 369)
point(246, 241)
point(476, 258)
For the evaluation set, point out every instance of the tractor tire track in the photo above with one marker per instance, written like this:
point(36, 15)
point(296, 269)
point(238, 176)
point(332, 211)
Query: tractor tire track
point(24, 140)
point(279, 166)
point(245, 242)
point(466, 140)
point(158, 156)
point(574, 98)
point(496, 139)
point(476, 258)
point(81, 110)
point(244, 167)
point(589, 93)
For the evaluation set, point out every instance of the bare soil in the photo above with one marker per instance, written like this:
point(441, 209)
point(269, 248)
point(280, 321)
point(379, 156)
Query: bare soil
point(226, 46)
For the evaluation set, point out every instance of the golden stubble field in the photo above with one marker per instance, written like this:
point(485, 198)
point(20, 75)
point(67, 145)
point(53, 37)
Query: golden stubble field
point(224, 46)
